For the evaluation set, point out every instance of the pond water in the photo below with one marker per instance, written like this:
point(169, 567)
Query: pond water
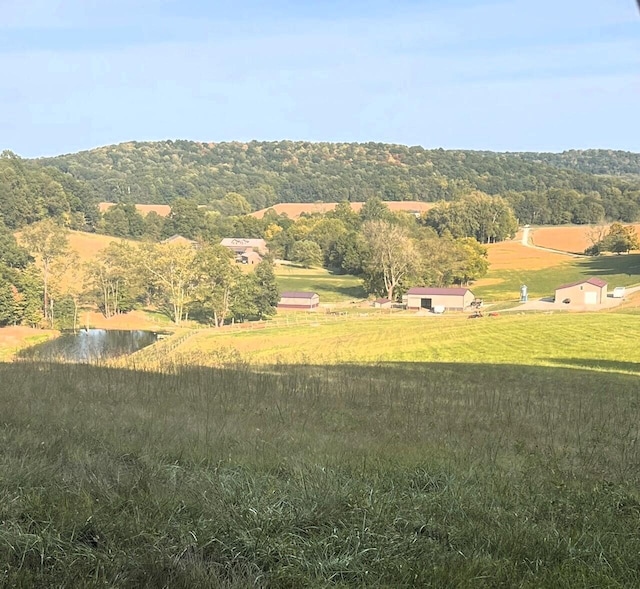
point(91, 344)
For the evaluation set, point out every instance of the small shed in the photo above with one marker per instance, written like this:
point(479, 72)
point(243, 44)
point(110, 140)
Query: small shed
point(299, 300)
point(591, 291)
point(382, 303)
point(451, 299)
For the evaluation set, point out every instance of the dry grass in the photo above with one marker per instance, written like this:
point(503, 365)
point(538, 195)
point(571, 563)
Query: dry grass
point(566, 238)
point(512, 255)
point(89, 245)
point(294, 210)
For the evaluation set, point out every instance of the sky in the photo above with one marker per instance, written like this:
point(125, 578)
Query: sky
point(503, 75)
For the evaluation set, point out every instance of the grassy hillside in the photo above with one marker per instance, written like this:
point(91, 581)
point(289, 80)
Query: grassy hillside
point(595, 340)
point(403, 474)
point(332, 288)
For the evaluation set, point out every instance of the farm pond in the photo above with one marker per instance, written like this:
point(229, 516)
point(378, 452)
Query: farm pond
point(90, 345)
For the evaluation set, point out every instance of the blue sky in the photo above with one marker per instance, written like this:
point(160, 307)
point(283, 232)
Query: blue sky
point(542, 75)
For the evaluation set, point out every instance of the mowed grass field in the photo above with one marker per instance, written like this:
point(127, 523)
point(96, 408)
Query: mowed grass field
point(332, 288)
point(597, 341)
point(417, 452)
point(17, 337)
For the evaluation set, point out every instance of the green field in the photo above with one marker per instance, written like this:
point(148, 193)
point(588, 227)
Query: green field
point(504, 283)
point(332, 288)
point(616, 270)
point(594, 340)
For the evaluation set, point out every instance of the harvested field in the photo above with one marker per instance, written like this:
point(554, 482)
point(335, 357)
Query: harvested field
point(89, 245)
point(162, 210)
point(574, 238)
point(512, 255)
point(294, 210)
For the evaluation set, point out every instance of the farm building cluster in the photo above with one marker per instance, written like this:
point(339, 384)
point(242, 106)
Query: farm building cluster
point(588, 292)
point(247, 250)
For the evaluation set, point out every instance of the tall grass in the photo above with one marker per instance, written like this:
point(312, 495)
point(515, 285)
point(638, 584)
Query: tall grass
point(398, 475)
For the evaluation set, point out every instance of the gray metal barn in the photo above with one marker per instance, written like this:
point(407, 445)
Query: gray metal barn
point(299, 300)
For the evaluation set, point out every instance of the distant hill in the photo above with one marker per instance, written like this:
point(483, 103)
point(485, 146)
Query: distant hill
point(590, 161)
point(296, 171)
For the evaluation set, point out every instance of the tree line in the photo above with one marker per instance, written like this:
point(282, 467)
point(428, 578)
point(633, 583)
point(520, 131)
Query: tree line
point(236, 178)
point(389, 251)
point(42, 282)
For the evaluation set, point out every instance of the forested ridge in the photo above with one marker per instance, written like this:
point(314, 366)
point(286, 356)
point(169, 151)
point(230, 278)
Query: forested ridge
point(296, 171)
point(570, 187)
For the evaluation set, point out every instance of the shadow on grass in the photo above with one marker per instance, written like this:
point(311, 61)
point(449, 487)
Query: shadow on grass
point(597, 364)
point(628, 264)
point(435, 472)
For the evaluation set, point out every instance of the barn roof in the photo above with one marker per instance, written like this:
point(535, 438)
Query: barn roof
point(179, 239)
point(595, 281)
point(243, 242)
point(421, 290)
point(297, 295)
point(382, 301)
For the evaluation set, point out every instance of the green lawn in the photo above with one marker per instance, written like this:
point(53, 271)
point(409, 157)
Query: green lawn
point(331, 287)
point(593, 340)
point(616, 270)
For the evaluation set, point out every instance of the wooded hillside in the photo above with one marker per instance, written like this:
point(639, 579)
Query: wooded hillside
point(288, 171)
point(543, 188)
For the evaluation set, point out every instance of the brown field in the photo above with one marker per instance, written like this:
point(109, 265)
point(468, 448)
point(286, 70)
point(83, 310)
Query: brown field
point(574, 238)
point(131, 320)
point(89, 245)
point(294, 210)
point(512, 255)
point(162, 210)
point(15, 337)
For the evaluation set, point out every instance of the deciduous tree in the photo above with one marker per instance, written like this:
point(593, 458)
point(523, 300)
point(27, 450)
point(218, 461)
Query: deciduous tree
point(47, 242)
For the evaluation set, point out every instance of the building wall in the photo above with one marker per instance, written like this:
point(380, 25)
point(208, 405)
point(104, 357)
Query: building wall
point(382, 305)
point(576, 293)
point(452, 302)
point(294, 303)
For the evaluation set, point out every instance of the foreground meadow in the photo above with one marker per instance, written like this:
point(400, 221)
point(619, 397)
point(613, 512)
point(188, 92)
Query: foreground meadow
point(395, 475)
point(454, 453)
